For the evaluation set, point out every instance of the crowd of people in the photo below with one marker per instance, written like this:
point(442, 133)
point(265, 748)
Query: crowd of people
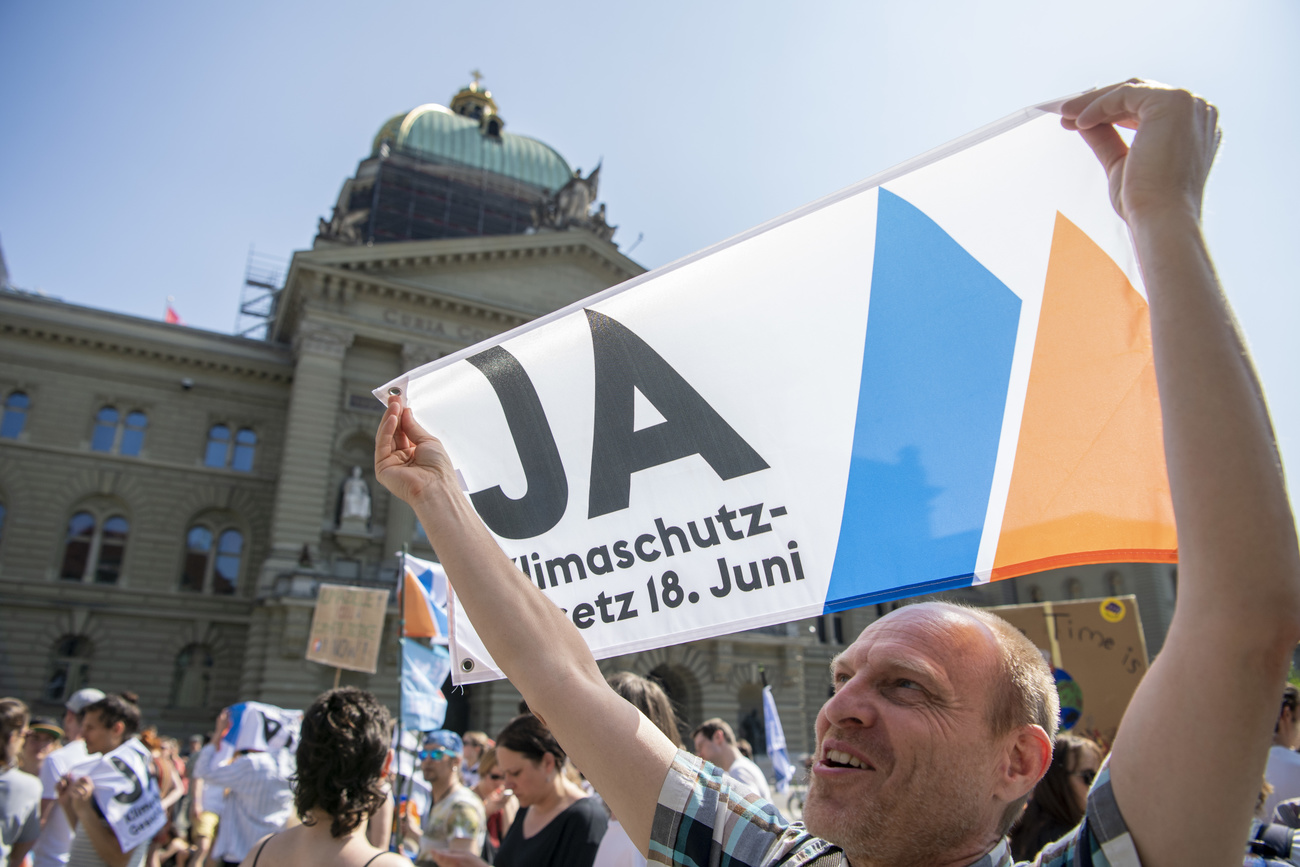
point(939, 743)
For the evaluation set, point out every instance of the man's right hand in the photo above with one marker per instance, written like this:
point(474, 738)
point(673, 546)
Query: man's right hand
point(409, 460)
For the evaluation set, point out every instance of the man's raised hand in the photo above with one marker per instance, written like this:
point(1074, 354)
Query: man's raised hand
point(1171, 155)
point(409, 459)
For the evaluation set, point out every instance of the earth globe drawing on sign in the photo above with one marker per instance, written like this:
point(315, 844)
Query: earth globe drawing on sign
point(1071, 698)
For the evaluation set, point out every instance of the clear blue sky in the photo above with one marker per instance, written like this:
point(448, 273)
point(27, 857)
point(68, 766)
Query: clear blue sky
point(146, 145)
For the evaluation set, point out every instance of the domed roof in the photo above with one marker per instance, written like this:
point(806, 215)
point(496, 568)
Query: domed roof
point(437, 133)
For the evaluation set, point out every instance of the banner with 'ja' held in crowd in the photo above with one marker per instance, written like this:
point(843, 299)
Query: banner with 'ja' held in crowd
point(255, 725)
point(938, 377)
point(126, 792)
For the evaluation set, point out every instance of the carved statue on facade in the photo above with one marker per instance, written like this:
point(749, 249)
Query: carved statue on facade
point(356, 498)
point(571, 205)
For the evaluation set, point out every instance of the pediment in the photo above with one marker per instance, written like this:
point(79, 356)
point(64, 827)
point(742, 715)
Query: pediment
point(508, 279)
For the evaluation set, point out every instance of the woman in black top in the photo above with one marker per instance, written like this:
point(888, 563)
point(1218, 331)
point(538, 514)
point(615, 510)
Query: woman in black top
point(557, 824)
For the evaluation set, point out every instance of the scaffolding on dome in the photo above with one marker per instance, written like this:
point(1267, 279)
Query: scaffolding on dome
point(405, 196)
point(260, 295)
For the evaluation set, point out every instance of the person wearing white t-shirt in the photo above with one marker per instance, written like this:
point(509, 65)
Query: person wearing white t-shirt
point(55, 842)
point(1283, 770)
point(715, 742)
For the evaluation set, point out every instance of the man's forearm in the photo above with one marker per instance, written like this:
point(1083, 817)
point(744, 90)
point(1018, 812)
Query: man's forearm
point(1235, 528)
point(494, 591)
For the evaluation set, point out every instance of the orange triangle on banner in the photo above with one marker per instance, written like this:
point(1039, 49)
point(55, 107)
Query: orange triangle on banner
point(1089, 483)
point(415, 610)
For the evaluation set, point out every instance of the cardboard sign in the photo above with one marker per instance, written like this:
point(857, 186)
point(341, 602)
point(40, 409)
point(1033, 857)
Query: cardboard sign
point(938, 377)
point(347, 627)
point(1096, 650)
point(126, 791)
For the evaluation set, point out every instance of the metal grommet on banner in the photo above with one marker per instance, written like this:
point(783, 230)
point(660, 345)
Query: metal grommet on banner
point(395, 390)
point(467, 665)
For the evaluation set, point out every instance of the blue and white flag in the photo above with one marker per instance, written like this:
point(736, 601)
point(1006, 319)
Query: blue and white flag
point(781, 767)
point(424, 670)
point(424, 605)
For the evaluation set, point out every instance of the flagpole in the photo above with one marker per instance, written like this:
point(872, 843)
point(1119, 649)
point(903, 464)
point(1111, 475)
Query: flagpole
point(395, 839)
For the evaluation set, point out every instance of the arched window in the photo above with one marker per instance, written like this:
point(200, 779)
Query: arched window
point(105, 430)
point(245, 449)
point(212, 560)
point(218, 446)
point(15, 417)
point(94, 550)
point(133, 433)
point(113, 432)
point(69, 668)
point(192, 677)
point(198, 551)
point(77, 545)
point(225, 577)
point(236, 453)
point(1073, 589)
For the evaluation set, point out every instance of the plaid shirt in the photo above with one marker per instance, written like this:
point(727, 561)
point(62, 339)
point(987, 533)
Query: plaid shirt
point(704, 818)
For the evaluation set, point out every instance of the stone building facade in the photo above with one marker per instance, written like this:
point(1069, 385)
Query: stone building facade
point(170, 497)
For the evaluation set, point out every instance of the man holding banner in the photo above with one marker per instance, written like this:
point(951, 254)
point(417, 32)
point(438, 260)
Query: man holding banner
point(112, 801)
point(942, 718)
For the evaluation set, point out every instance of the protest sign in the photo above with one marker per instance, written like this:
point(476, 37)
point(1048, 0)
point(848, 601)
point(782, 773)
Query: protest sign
point(938, 377)
point(258, 726)
point(1097, 652)
point(347, 627)
point(127, 793)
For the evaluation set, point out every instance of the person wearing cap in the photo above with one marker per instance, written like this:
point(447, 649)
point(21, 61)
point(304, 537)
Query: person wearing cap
point(55, 842)
point(456, 821)
point(44, 736)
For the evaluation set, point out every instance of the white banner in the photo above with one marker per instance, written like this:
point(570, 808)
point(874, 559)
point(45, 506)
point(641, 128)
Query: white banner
point(126, 791)
point(938, 377)
point(258, 726)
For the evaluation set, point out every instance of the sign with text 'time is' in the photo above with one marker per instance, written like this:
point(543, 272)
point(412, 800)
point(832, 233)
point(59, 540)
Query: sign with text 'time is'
point(940, 376)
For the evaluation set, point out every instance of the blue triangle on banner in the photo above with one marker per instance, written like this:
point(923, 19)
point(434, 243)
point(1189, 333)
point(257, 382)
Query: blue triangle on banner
point(941, 333)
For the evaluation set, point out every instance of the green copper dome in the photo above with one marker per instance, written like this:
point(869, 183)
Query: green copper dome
point(439, 134)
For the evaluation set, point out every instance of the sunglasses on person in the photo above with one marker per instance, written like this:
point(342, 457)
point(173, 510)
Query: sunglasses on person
point(1087, 775)
point(436, 755)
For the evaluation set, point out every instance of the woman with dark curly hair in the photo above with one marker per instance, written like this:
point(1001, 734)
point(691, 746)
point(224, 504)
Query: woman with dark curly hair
point(343, 759)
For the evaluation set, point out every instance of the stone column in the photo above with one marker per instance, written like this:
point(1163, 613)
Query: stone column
point(304, 497)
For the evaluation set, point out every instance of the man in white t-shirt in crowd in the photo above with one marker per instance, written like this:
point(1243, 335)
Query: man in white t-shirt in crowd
point(715, 742)
point(206, 802)
point(55, 842)
point(1283, 770)
point(456, 821)
point(258, 799)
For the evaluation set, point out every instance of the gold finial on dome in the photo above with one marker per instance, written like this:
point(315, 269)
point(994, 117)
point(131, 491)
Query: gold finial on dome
point(473, 100)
